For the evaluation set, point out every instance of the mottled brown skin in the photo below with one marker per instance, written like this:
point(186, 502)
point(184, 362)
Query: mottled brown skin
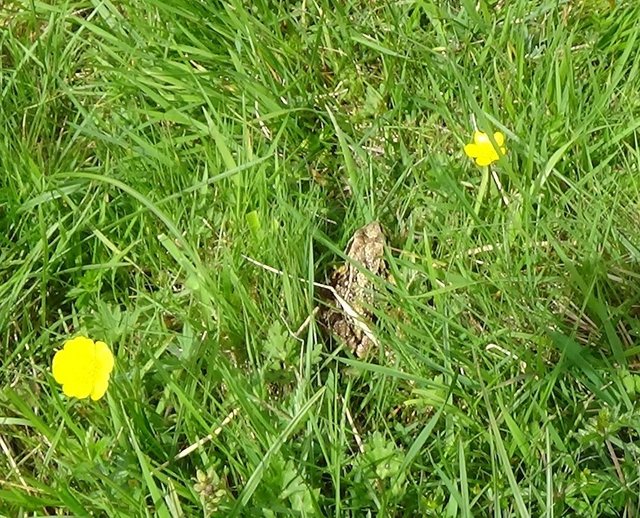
point(365, 251)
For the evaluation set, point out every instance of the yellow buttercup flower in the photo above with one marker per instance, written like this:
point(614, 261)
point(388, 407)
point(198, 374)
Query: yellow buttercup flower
point(482, 150)
point(83, 368)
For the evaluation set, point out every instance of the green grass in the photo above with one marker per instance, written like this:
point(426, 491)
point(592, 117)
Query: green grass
point(147, 148)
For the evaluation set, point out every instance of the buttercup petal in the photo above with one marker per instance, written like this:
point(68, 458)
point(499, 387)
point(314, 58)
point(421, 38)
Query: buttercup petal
point(80, 345)
point(472, 150)
point(81, 354)
point(480, 138)
point(484, 160)
point(99, 388)
point(499, 138)
point(79, 387)
point(60, 366)
point(104, 359)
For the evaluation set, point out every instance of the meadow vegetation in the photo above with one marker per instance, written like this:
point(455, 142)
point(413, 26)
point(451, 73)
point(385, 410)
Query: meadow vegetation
point(175, 175)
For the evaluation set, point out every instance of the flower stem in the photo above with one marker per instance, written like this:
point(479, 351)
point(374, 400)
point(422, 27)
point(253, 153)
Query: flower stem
point(498, 183)
point(484, 184)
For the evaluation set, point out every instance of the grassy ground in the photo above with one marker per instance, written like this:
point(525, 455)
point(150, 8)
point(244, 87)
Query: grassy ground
point(148, 147)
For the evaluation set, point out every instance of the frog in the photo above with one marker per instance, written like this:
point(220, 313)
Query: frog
point(349, 317)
